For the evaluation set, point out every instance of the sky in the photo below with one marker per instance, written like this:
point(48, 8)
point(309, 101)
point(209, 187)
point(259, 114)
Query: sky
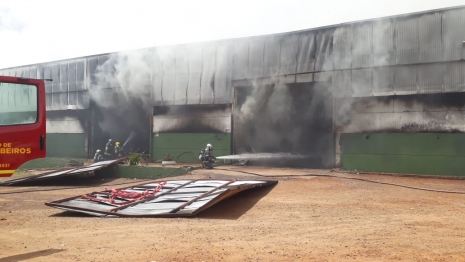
point(33, 31)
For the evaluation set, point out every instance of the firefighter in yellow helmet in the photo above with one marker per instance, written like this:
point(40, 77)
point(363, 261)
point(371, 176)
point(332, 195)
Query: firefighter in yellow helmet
point(118, 149)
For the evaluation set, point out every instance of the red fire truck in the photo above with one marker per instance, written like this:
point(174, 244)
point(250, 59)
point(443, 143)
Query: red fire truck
point(22, 122)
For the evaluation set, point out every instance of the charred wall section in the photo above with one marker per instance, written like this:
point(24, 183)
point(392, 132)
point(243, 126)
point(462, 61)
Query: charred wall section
point(415, 134)
point(293, 118)
point(428, 113)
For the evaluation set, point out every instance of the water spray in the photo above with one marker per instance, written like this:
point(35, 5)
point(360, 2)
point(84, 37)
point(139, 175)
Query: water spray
point(262, 156)
point(131, 136)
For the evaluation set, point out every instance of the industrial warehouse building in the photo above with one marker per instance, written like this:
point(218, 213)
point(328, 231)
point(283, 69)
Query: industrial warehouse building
point(383, 95)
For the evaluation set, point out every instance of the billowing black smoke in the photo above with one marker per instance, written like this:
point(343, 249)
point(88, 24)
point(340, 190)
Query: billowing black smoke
point(295, 118)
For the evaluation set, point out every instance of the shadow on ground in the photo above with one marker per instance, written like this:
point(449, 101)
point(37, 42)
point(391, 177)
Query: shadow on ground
point(72, 214)
point(234, 207)
point(30, 255)
point(65, 181)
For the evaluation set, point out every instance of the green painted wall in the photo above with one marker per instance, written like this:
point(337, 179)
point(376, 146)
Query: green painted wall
point(427, 154)
point(147, 172)
point(185, 147)
point(66, 145)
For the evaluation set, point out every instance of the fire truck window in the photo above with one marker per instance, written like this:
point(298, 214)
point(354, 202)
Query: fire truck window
point(18, 104)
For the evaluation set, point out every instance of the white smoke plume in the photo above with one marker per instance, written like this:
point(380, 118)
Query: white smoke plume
point(122, 93)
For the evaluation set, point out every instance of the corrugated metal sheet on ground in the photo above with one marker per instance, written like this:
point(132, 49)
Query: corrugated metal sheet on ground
point(176, 198)
point(62, 173)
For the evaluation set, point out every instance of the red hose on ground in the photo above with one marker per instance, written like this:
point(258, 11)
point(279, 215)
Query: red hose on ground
point(129, 197)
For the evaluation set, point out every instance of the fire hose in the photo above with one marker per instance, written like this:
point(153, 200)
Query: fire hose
point(129, 197)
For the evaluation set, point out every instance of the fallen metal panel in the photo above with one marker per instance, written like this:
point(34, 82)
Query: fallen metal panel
point(174, 198)
point(62, 173)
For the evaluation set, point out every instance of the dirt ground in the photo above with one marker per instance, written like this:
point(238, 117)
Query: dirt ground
point(302, 218)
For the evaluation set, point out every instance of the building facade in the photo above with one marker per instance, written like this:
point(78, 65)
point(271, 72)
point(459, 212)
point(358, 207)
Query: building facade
point(383, 95)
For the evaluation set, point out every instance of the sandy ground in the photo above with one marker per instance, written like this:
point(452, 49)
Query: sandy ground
point(302, 218)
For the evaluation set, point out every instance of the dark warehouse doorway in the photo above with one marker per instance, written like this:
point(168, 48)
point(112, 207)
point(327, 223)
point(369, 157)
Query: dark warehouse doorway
point(124, 120)
point(285, 118)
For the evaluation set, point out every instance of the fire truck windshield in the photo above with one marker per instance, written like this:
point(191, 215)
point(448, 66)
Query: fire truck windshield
point(18, 104)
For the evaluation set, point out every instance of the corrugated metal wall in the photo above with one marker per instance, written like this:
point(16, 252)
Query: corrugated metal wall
point(418, 53)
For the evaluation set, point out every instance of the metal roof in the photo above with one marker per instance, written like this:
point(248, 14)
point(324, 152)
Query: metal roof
point(62, 173)
point(174, 198)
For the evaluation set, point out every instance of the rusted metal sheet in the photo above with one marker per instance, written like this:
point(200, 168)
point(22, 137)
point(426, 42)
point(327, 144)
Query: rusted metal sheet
point(256, 57)
point(207, 84)
point(362, 82)
point(173, 198)
point(342, 47)
point(289, 49)
point(454, 34)
point(306, 54)
point(272, 55)
point(407, 40)
point(362, 46)
point(430, 78)
point(430, 38)
point(61, 173)
point(454, 77)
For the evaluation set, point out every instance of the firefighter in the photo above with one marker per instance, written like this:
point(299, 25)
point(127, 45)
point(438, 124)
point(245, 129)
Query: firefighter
point(209, 150)
point(109, 150)
point(118, 150)
point(206, 156)
point(98, 156)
